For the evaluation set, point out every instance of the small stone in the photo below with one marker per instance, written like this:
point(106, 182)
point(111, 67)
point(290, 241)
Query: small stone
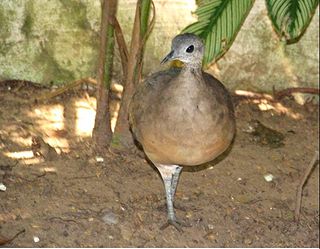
point(36, 239)
point(99, 159)
point(110, 218)
point(210, 227)
point(268, 177)
point(2, 187)
point(211, 237)
point(189, 215)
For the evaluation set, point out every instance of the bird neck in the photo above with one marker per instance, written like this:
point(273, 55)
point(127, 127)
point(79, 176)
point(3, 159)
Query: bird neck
point(190, 78)
point(194, 69)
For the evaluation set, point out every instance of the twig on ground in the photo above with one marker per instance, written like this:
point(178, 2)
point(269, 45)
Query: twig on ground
point(63, 89)
point(288, 91)
point(62, 219)
point(65, 220)
point(4, 241)
point(302, 182)
point(29, 180)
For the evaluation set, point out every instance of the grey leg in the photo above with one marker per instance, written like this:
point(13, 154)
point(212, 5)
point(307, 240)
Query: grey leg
point(169, 197)
point(170, 175)
point(175, 179)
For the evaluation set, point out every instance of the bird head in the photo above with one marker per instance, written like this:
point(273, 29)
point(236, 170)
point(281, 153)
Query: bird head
point(187, 48)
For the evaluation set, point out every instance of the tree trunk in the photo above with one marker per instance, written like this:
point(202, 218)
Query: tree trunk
point(122, 138)
point(102, 133)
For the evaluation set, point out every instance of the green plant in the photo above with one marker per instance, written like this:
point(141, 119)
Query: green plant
point(218, 24)
point(290, 18)
point(132, 65)
point(220, 20)
point(102, 133)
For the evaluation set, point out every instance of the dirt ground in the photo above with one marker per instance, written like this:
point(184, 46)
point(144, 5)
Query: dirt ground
point(76, 199)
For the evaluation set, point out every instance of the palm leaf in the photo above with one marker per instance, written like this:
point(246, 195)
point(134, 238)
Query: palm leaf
point(218, 24)
point(290, 18)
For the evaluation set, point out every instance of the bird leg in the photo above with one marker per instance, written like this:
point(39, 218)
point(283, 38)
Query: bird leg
point(174, 182)
point(170, 176)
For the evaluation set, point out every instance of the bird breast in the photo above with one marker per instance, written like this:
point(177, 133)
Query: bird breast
point(186, 123)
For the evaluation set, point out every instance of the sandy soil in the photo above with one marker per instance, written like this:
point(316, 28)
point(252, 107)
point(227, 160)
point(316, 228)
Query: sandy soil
point(76, 199)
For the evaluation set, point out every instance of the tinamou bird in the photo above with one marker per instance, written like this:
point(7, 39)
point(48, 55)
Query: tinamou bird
point(182, 117)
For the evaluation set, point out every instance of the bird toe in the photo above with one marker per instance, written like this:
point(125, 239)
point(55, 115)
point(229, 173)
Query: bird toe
point(176, 224)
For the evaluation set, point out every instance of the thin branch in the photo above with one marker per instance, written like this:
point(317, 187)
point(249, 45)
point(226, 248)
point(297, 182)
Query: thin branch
point(123, 49)
point(151, 25)
point(303, 181)
point(66, 87)
point(4, 241)
point(122, 137)
point(143, 42)
point(288, 91)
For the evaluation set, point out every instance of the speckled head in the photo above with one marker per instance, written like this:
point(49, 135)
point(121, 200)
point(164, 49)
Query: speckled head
point(187, 48)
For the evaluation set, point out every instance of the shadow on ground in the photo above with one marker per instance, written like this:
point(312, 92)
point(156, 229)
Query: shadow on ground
point(76, 200)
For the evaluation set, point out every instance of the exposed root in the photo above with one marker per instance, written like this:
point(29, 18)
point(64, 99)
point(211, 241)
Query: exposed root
point(4, 241)
point(288, 91)
point(302, 182)
point(65, 88)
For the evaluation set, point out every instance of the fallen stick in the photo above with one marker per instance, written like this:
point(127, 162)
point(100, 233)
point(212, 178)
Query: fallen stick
point(278, 95)
point(63, 89)
point(303, 180)
point(4, 241)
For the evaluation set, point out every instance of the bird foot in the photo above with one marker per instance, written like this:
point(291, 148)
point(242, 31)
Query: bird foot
point(177, 225)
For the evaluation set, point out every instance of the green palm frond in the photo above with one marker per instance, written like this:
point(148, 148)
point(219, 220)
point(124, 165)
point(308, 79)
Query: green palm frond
point(218, 24)
point(291, 18)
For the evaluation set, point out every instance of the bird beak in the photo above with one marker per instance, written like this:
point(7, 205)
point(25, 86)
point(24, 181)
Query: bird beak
point(167, 58)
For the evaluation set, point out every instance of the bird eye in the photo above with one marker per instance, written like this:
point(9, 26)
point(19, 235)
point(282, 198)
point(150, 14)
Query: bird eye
point(190, 49)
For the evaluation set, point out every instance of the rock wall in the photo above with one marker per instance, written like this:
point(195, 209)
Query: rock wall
point(56, 41)
point(258, 60)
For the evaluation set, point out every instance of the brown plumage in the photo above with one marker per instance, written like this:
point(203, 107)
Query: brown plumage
point(182, 117)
